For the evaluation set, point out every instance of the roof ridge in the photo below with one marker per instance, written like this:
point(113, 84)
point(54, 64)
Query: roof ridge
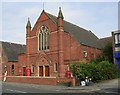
point(93, 34)
point(106, 37)
point(12, 43)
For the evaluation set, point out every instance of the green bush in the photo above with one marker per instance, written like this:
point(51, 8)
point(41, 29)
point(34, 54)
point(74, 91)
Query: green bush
point(97, 71)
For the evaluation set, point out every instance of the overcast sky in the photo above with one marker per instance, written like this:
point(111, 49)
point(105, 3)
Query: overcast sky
point(100, 17)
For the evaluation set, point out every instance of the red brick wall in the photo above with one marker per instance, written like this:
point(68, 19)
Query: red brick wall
point(90, 51)
point(22, 62)
point(38, 80)
point(72, 50)
point(9, 68)
point(22, 59)
point(4, 61)
point(33, 39)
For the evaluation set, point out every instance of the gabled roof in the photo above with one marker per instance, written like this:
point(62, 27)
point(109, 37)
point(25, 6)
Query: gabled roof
point(83, 36)
point(105, 41)
point(12, 50)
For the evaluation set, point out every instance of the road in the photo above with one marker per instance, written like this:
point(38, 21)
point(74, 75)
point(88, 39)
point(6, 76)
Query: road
point(110, 87)
point(28, 88)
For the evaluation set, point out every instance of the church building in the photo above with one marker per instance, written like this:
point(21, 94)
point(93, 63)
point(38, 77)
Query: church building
point(52, 44)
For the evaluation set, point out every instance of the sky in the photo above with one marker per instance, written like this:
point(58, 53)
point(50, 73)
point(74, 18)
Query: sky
point(99, 17)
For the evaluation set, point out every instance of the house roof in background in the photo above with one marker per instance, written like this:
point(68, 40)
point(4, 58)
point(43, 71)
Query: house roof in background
point(105, 41)
point(12, 50)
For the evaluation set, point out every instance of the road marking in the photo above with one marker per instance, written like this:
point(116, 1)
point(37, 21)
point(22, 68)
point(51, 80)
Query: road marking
point(112, 92)
point(20, 91)
point(9, 89)
point(57, 90)
point(16, 91)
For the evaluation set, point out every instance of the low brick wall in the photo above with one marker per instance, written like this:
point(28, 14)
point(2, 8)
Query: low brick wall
point(66, 80)
point(39, 80)
point(1, 78)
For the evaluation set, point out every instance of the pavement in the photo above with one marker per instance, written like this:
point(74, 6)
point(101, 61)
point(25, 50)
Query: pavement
point(109, 86)
point(107, 83)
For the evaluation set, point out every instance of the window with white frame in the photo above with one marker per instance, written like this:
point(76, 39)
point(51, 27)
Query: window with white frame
point(43, 38)
point(12, 68)
point(32, 68)
point(85, 54)
point(56, 67)
point(117, 38)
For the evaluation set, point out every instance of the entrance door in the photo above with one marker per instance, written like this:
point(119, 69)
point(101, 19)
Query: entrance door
point(40, 70)
point(24, 71)
point(46, 70)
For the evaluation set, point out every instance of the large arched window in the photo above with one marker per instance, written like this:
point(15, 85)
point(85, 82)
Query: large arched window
point(43, 38)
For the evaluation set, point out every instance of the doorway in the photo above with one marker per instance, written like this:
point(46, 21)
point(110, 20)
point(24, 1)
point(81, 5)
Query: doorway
point(24, 71)
point(40, 70)
point(46, 70)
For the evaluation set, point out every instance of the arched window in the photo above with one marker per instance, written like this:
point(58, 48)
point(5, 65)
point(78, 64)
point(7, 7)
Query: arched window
point(12, 68)
point(56, 67)
point(43, 38)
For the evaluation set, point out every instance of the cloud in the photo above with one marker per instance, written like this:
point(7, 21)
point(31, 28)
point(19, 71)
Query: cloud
point(101, 19)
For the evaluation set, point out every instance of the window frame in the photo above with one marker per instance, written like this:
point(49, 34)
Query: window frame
point(13, 69)
point(56, 67)
point(32, 69)
point(117, 38)
point(85, 54)
point(43, 40)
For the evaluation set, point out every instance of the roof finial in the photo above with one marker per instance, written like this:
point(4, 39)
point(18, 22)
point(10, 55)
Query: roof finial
point(28, 23)
point(60, 15)
point(59, 8)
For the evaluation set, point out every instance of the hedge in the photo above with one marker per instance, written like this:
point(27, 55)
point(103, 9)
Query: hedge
point(96, 71)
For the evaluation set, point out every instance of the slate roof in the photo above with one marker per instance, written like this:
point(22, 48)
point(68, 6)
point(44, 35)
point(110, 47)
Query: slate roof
point(105, 41)
point(83, 36)
point(12, 50)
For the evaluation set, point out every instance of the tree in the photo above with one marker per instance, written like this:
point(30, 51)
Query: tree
point(97, 72)
point(108, 52)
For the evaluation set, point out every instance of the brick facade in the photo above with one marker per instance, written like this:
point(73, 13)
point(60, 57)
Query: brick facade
point(63, 50)
point(37, 80)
